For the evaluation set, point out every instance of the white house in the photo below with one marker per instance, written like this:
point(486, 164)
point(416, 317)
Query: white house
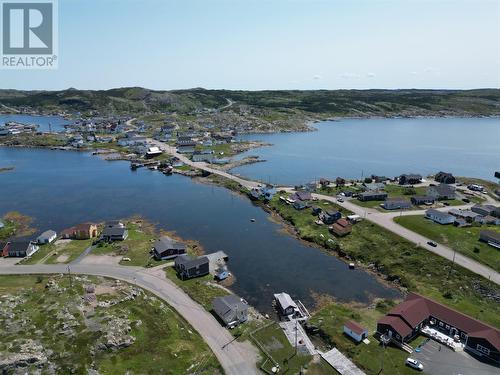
point(355, 331)
point(46, 237)
point(439, 217)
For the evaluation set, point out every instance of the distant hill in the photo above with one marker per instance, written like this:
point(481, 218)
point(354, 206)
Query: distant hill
point(363, 103)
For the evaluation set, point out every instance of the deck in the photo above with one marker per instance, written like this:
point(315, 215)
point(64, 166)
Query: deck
point(341, 363)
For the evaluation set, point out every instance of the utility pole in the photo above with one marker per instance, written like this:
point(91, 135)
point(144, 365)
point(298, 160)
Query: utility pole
point(70, 281)
point(296, 333)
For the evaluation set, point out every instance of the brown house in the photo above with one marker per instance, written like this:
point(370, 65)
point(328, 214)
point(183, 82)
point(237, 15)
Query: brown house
point(405, 320)
point(80, 232)
point(341, 227)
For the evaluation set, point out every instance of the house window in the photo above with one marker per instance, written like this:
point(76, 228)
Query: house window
point(447, 326)
point(463, 335)
point(482, 349)
point(440, 324)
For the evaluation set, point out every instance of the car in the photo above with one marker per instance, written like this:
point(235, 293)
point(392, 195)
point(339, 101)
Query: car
point(466, 200)
point(339, 199)
point(446, 204)
point(432, 243)
point(413, 363)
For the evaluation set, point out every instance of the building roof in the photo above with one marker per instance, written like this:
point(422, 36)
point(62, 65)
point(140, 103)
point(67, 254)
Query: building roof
point(416, 308)
point(113, 231)
point(442, 189)
point(167, 243)
point(397, 200)
point(285, 300)
point(342, 222)
point(85, 227)
point(15, 246)
point(303, 195)
point(189, 261)
point(355, 327)
point(490, 234)
point(224, 306)
point(422, 198)
point(48, 234)
point(437, 213)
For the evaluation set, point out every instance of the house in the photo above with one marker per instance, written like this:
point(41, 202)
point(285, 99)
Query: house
point(115, 233)
point(405, 321)
point(329, 216)
point(231, 309)
point(441, 192)
point(439, 217)
point(153, 152)
point(185, 142)
point(188, 267)
point(410, 179)
point(303, 195)
point(467, 215)
point(46, 237)
point(268, 192)
point(80, 232)
point(316, 210)
point(167, 248)
point(185, 149)
point(486, 210)
point(374, 186)
point(285, 304)
point(421, 199)
point(299, 205)
point(461, 223)
point(490, 237)
point(396, 204)
point(221, 273)
point(488, 220)
point(372, 196)
point(445, 178)
point(341, 228)
point(19, 249)
point(216, 261)
point(355, 331)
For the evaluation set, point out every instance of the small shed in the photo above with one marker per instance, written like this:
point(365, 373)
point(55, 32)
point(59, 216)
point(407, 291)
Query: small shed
point(355, 331)
point(286, 305)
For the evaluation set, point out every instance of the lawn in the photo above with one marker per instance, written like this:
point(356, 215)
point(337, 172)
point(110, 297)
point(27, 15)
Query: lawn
point(164, 342)
point(198, 288)
point(369, 357)
point(65, 252)
point(272, 341)
point(464, 240)
point(400, 261)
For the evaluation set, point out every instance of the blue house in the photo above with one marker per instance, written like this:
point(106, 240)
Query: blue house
point(221, 273)
point(299, 205)
point(330, 216)
point(268, 192)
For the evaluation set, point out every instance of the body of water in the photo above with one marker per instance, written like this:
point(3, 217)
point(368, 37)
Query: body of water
point(60, 189)
point(354, 148)
point(56, 123)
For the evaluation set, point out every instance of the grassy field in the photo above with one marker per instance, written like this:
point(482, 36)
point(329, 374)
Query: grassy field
point(464, 240)
point(164, 342)
point(400, 261)
point(54, 254)
point(369, 357)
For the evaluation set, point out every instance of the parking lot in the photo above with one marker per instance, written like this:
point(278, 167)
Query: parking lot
point(445, 361)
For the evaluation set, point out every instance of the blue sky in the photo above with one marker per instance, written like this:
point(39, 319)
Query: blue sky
point(278, 44)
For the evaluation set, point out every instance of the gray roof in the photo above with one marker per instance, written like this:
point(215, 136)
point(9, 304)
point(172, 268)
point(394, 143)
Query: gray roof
point(167, 243)
point(46, 235)
point(443, 189)
point(223, 306)
point(189, 262)
point(437, 213)
point(19, 246)
point(113, 231)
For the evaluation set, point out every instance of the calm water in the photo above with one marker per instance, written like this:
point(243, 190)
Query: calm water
point(57, 123)
point(60, 189)
point(350, 148)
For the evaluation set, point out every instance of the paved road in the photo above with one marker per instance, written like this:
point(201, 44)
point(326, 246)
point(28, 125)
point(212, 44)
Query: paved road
point(386, 220)
point(201, 165)
point(236, 358)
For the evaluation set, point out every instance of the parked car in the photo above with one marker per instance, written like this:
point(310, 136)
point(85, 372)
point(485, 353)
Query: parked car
point(340, 199)
point(446, 204)
point(431, 243)
point(466, 200)
point(413, 363)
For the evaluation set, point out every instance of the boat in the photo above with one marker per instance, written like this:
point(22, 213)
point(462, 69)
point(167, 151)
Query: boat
point(351, 266)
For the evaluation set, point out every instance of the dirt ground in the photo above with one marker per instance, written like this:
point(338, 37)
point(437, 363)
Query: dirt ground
point(101, 259)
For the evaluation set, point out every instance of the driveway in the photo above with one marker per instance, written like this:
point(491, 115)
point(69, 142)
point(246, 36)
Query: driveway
point(448, 362)
point(236, 358)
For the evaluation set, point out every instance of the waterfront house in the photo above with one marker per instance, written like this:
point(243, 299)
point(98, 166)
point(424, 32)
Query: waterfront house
point(329, 216)
point(421, 199)
point(341, 227)
point(82, 231)
point(153, 152)
point(46, 237)
point(167, 248)
point(285, 304)
point(467, 215)
point(439, 217)
point(372, 196)
point(303, 195)
point(316, 210)
point(19, 249)
point(444, 178)
point(488, 220)
point(405, 321)
point(441, 192)
point(231, 309)
point(268, 192)
point(114, 233)
point(410, 179)
point(188, 267)
point(216, 260)
point(396, 203)
point(300, 205)
point(355, 331)
point(490, 237)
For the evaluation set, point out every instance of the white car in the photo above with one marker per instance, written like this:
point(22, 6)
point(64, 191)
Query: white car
point(413, 363)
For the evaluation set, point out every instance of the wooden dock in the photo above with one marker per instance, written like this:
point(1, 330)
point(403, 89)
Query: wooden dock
point(341, 363)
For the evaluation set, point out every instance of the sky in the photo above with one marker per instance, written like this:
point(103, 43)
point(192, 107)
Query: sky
point(275, 44)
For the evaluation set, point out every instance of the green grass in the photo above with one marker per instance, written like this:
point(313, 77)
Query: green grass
point(198, 288)
point(164, 341)
point(411, 266)
point(464, 240)
point(330, 320)
point(73, 249)
point(274, 342)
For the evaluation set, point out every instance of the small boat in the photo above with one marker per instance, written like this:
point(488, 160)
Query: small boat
point(351, 266)
point(252, 220)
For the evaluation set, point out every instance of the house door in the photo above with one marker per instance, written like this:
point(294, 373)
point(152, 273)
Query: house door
point(453, 332)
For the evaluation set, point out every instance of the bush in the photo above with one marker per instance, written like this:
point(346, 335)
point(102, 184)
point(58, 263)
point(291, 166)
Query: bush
point(476, 249)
